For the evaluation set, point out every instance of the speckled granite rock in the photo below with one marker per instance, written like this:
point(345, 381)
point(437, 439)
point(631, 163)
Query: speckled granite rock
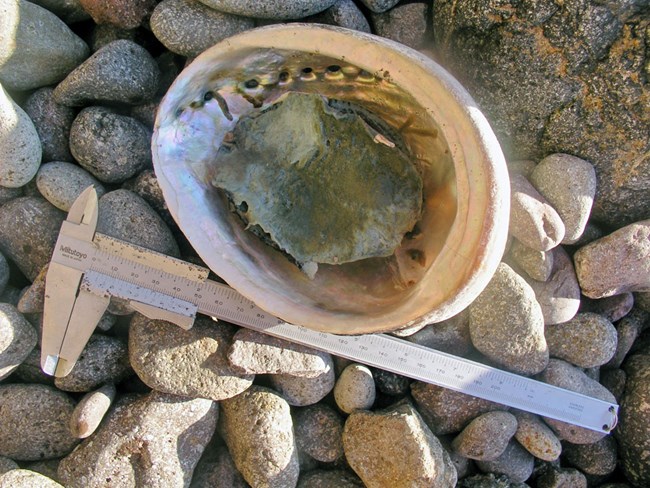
point(548, 86)
point(17, 339)
point(617, 263)
point(29, 227)
point(355, 389)
point(343, 13)
point(318, 430)
point(320, 478)
point(61, 183)
point(273, 9)
point(447, 411)
point(120, 72)
point(104, 359)
point(538, 265)
point(127, 14)
point(486, 437)
point(36, 47)
point(300, 391)
point(406, 23)
point(633, 431)
point(90, 411)
point(217, 469)
point(34, 422)
point(188, 27)
point(20, 146)
point(394, 447)
point(258, 417)
point(506, 323)
point(25, 478)
point(451, 335)
point(536, 437)
point(191, 362)
point(598, 459)
point(613, 308)
point(379, 6)
point(515, 462)
point(587, 340)
point(151, 440)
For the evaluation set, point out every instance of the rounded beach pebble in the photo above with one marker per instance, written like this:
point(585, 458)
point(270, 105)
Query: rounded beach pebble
point(617, 263)
point(597, 459)
point(270, 9)
point(151, 440)
point(17, 339)
point(123, 215)
point(36, 47)
point(188, 27)
point(90, 411)
point(343, 13)
point(121, 72)
point(536, 264)
point(126, 14)
point(25, 478)
point(61, 183)
point(52, 122)
point(486, 437)
point(191, 362)
point(394, 447)
point(379, 6)
point(29, 227)
point(20, 146)
point(260, 417)
point(355, 389)
point(406, 23)
point(507, 325)
point(587, 340)
point(515, 462)
point(318, 432)
point(300, 391)
point(536, 437)
point(110, 146)
point(569, 184)
point(34, 422)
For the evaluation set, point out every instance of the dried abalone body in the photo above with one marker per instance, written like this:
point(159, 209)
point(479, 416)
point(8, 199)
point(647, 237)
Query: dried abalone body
point(439, 264)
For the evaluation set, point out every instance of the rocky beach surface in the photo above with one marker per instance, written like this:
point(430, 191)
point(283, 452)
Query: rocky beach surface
point(565, 85)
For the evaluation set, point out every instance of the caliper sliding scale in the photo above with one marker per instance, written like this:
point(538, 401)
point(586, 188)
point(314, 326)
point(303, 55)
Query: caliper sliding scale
point(88, 268)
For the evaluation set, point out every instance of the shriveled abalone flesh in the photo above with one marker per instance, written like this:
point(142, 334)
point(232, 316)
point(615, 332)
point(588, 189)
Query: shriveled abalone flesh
point(319, 180)
point(298, 144)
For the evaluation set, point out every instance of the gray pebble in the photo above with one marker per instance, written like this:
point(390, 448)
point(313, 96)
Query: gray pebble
point(90, 411)
point(627, 331)
point(52, 122)
point(188, 27)
point(110, 146)
point(394, 447)
point(613, 308)
point(506, 323)
point(564, 375)
point(146, 185)
point(562, 478)
point(271, 9)
point(597, 459)
point(120, 72)
point(70, 11)
point(344, 13)
point(536, 264)
point(451, 335)
point(337, 478)
point(447, 411)
point(216, 469)
point(104, 360)
point(355, 389)
point(559, 296)
point(486, 437)
point(34, 422)
point(587, 340)
point(8, 194)
point(536, 437)
point(190, 363)
point(29, 227)
point(515, 462)
point(258, 353)
point(379, 6)
point(38, 50)
point(25, 478)
point(617, 263)
point(633, 431)
point(260, 417)
point(150, 440)
point(299, 391)
point(7, 464)
point(569, 184)
point(20, 146)
point(61, 183)
point(533, 221)
point(391, 384)
point(614, 380)
point(318, 431)
point(17, 339)
point(124, 215)
point(406, 23)
point(4, 272)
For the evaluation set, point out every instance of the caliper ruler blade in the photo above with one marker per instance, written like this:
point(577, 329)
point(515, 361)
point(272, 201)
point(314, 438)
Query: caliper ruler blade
point(165, 287)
